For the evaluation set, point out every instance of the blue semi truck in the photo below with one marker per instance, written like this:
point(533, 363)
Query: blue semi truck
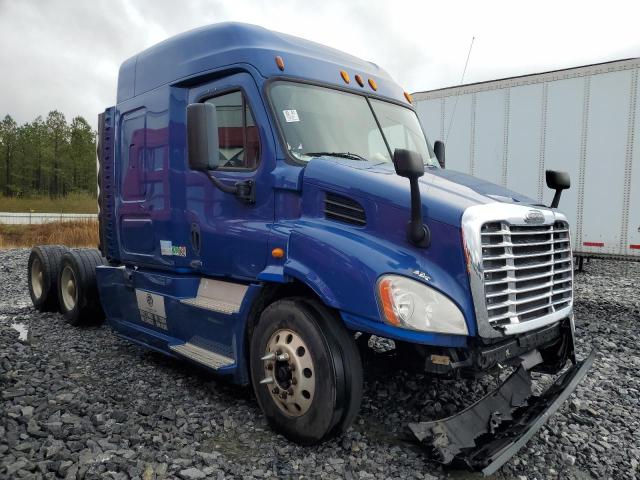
point(265, 200)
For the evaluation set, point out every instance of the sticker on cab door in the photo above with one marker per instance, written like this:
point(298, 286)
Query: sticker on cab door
point(151, 307)
point(168, 249)
point(291, 116)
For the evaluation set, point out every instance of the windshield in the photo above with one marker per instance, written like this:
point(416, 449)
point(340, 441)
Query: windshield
point(323, 121)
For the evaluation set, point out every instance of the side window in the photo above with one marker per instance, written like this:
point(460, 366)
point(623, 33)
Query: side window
point(133, 145)
point(237, 132)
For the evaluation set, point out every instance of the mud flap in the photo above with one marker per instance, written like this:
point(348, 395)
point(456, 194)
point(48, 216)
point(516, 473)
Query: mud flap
point(487, 434)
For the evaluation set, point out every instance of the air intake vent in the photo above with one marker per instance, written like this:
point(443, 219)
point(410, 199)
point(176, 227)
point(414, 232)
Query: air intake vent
point(343, 209)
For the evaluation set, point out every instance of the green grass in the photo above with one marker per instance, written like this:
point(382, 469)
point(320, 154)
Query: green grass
point(73, 203)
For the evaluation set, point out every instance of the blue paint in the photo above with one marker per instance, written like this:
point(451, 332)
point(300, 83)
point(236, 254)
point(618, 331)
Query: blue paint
point(156, 199)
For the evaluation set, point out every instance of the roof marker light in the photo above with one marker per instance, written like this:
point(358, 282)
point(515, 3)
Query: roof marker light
point(359, 80)
point(373, 84)
point(280, 62)
point(345, 76)
point(408, 96)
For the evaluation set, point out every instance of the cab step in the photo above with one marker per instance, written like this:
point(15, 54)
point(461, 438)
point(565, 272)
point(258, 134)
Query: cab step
point(202, 355)
point(218, 296)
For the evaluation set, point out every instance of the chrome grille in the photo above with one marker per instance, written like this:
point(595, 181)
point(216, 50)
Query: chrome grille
point(527, 270)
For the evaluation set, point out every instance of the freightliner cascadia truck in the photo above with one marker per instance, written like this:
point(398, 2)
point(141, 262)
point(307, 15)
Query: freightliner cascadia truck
point(264, 200)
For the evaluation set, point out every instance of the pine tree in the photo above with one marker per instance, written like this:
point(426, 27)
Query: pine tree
point(57, 143)
point(82, 155)
point(8, 141)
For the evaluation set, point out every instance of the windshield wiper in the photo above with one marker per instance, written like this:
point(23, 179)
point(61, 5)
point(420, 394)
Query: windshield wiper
point(349, 155)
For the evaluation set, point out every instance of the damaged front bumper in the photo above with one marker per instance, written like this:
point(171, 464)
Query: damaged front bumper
point(487, 434)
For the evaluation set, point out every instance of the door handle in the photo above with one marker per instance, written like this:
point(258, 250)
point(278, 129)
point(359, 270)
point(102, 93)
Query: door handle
point(196, 238)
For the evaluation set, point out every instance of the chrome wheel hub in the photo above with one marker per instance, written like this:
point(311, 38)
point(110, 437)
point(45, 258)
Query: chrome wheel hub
point(68, 287)
point(289, 373)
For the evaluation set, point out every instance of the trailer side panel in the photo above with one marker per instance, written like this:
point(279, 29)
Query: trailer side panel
point(583, 120)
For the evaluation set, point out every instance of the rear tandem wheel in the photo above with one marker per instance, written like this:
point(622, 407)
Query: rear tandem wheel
point(42, 275)
point(77, 286)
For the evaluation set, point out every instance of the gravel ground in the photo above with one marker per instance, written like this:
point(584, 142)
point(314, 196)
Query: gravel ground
point(82, 403)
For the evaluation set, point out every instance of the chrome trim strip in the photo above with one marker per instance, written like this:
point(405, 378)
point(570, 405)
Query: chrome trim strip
point(473, 219)
point(538, 322)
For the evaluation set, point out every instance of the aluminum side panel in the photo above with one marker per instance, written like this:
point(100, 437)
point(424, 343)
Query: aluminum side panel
point(632, 174)
point(429, 113)
point(457, 132)
point(605, 161)
point(489, 135)
point(524, 139)
point(562, 142)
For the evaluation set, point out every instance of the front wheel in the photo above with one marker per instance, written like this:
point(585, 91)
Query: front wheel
point(306, 370)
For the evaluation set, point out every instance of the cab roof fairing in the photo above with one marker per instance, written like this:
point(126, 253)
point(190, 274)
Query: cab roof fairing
point(216, 46)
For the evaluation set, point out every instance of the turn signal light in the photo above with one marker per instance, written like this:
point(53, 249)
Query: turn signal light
point(280, 62)
point(345, 76)
point(277, 253)
point(386, 299)
point(373, 84)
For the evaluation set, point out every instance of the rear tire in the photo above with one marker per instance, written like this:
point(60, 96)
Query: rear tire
point(42, 274)
point(77, 287)
point(321, 375)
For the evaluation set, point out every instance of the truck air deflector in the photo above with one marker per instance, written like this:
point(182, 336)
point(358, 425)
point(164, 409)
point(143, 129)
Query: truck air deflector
point(487, 434)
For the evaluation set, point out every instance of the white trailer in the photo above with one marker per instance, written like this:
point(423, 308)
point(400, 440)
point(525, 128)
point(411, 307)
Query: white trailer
point(583, 120)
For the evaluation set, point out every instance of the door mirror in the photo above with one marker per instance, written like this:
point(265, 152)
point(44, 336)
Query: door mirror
point(408, 163)
point(202, 136)
point(557, 181)
point(438, 149)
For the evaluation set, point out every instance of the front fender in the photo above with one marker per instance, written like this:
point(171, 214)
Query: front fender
point(342, 265)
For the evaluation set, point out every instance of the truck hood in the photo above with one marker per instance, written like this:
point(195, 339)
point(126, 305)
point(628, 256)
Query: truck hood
point(446, 194)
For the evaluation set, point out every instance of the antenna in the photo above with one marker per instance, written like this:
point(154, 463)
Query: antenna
point(455, 105)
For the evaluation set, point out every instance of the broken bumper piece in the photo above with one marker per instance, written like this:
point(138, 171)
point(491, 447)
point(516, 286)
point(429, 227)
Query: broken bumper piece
point(487, 434)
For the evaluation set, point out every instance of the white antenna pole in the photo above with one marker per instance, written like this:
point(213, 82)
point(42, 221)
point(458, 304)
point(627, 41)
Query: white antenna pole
point(455, 105)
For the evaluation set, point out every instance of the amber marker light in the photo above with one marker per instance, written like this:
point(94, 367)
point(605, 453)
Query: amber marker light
point(345, 76)
point(360, 80)
point(386, 299)
point(408, 96)
point(373, 84)
point(277, 253)
point(280, 62)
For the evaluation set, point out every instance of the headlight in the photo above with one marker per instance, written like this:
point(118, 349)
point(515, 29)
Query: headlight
point(406, 303)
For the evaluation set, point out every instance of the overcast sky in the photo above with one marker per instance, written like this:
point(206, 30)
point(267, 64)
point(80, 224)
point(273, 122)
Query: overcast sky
point(65, 54)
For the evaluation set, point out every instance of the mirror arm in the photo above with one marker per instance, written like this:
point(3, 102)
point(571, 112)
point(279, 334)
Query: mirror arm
point(245, 191)
point(417, 232)
point(556, 198)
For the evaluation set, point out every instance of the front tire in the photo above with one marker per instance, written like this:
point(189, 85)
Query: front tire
point(305, 370)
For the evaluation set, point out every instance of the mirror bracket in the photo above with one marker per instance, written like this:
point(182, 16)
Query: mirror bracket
point(244, 191)
point(410, 165)
point(438, 149)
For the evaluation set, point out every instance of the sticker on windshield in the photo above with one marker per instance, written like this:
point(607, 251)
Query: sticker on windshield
point(291, 115)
